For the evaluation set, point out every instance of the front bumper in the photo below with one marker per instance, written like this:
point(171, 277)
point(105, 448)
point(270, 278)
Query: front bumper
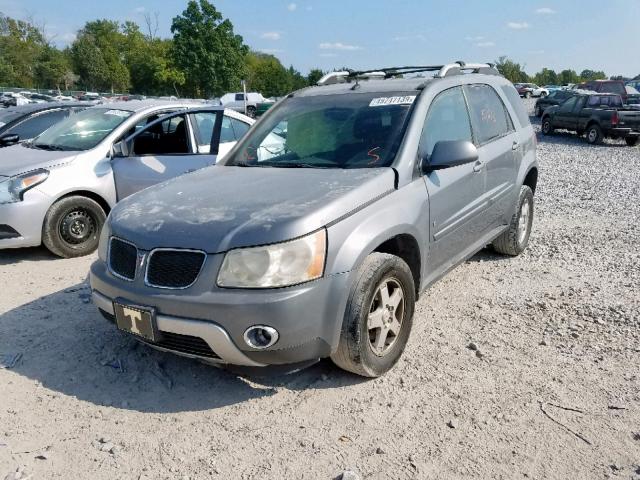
point(308, 317)
point(25, 218)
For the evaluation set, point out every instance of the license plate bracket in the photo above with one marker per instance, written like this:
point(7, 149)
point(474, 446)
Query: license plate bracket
point(136, 320)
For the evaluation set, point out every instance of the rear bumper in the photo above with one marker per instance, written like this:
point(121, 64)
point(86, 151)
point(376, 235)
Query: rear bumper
point(308, 318)
point(625, 132)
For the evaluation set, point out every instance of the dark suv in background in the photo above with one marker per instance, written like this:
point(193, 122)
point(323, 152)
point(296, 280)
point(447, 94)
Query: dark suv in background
point(555, 97)
point(606, 86)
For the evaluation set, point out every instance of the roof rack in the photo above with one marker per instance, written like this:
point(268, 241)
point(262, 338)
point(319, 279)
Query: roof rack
point(457, 68)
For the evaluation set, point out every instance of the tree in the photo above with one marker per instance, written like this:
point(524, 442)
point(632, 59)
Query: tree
point(587, 75)
point(314, 75)
point(265, 74)
point(207, 50)
point(568, 76)
point(546, 77)
point(53, 68)
point(511, 70)
point(98, 56)
point(20, 46)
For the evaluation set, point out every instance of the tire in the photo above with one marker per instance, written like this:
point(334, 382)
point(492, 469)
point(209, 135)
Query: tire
point(72, 227)
point(594, 134)
point(547, 126)
point(515, 239)
point(543, 94)
point(251, 111)
point(632, 141)
point(527, 95)
point(364, 349)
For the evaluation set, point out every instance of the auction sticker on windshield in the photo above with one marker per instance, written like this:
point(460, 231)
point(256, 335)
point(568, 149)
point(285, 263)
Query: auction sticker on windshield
point(385, 101)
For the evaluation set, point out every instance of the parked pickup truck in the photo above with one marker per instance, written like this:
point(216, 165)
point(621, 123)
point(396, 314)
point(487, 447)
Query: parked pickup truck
point(599, 115)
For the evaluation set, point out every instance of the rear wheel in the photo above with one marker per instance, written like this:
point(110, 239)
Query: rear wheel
point(72, 227)
point(547, 126)
point(378, 317)
point(251, 111)
point(632, 141)
point(515, 239)
point(594, 135)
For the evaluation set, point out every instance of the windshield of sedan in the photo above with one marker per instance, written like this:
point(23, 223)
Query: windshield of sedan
point(81, 131)
point(328, 131)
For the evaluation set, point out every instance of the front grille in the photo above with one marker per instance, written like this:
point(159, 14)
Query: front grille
point(174, 268)
point(123, 257)
point(185, 344)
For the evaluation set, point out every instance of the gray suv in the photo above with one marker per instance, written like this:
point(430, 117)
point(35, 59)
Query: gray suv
point(316, 234)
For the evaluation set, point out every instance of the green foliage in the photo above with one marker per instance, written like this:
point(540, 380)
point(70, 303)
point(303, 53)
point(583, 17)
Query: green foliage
point(207, 50)
point(314, 75)
point(20, 47)
point(587, 75)
point(546, 77)
point(511, 70)
point(568, 76)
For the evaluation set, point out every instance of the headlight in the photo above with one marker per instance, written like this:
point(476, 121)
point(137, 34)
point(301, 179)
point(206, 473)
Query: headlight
point(103, 245)
point(12, 189)
point(279, 265)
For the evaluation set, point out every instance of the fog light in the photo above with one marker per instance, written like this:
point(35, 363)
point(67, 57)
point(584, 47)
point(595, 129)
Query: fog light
point(260, 336)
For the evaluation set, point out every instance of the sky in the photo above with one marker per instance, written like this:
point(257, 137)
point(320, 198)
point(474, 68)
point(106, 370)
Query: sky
point(366, 34)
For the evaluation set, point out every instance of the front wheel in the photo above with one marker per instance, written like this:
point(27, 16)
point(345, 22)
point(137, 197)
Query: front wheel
point(515, 239)
point(527, 95)
point(72, 227)
point(632, 141)
point(378, 317)
point(547, 126)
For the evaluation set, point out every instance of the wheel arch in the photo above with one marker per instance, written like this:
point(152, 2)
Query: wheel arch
point(531, 179)
point(99, 199)
point(406, 247)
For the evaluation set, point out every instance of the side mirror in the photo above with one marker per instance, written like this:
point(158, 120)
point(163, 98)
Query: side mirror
point(9, 139)
point(450, 153)
point(120, 150)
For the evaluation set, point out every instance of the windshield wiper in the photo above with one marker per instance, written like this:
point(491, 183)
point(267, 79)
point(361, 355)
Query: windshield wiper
point(49, 146)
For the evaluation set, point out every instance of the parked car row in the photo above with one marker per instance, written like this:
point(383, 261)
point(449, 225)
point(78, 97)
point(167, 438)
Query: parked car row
point(528, 90)
point(312, 237)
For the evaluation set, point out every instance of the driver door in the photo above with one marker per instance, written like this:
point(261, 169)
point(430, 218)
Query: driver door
point(164, 149)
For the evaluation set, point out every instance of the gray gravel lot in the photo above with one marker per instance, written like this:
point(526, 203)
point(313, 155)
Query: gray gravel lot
point(516, 368)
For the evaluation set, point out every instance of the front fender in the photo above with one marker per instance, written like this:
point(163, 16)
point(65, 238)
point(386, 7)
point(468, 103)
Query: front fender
point(402, 212)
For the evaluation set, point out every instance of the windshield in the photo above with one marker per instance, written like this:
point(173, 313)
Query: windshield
point(81, 131)
point(328, 131)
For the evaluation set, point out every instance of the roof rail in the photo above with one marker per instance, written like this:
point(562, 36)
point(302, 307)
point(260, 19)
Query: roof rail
point(460, 67)
point(456, 68)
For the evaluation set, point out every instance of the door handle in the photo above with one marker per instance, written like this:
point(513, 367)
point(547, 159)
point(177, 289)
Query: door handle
point(478, 166)
point(515, 146)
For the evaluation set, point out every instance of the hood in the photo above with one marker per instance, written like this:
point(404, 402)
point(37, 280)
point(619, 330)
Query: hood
point(220, 208)
point(18, 159)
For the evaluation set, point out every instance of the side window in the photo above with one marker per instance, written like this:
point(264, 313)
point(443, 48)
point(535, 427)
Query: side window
point(516, 103)
point(568, 105)
point(239, 97)
point(168, 137)
point(34, 126)
point(227, 134)
point(239, 128)
point(203, 123)
point(488, 114)
point(593, 101)
point(448, 119)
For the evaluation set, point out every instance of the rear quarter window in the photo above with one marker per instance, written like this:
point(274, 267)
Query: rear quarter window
point(516, 103)
point(488, 114)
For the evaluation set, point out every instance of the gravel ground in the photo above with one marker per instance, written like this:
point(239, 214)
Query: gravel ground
point(516, 368)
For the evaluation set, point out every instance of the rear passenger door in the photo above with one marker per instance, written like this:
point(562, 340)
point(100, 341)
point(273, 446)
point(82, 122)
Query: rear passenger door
point(498, 148)
point(456, 206)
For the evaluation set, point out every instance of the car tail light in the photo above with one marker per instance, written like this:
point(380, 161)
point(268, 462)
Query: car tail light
point(615, 119)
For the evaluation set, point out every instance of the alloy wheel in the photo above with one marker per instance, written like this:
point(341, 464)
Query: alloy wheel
point(386, 316)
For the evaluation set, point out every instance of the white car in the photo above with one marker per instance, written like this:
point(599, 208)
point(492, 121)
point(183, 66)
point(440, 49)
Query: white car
point(59, 188)
point(531, 90)
point(236, 101)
